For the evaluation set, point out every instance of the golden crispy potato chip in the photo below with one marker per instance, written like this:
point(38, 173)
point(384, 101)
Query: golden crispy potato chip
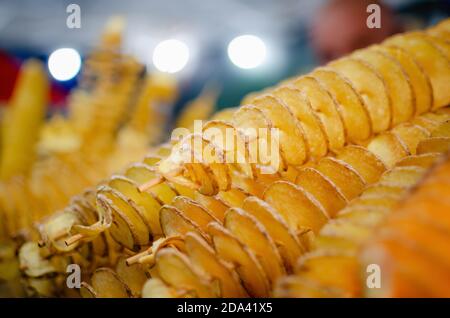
point(313, 128)
point(341, 228)
point(107, 284)
point(343, 176)
point(175, 269)
point(133, 276)
point(203, 257)
point(120, 228)
point(252, 234)
point(404, 177)
point(175, 223)
point(321, 188)
point(232, 142)
point(147, 201)
point(299, 287)
point(443, 130)
point(289, 246)
point(396, 80)
point(389, 148)
point(364, 215)
point(225, 114)
point(334, 271)
point(128, 212)
point(300, 210)
point(87, 291)
point(248, 120)
point(371, 87)
point(230, 249)
point(234, 197)
point(369, 166)
point(215, 206)
point(380, 189)
point(425, 160)
point(193, 211)
point(32, 262)
point(156, 288)
point(326, 108)
point(434, 144)
point(420, 82)
point(292, 141)
point(410, 135)
point(350, 105)
point(432, 61)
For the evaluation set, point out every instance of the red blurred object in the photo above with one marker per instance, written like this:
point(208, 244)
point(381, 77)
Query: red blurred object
point(9, 70)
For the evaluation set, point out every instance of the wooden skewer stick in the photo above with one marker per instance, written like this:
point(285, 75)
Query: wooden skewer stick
point(73, 239)
point(135, 258)
point(57, 236)
point(150, 184)
point(148, 260)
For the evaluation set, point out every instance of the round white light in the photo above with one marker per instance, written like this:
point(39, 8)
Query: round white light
point(171, 56)
point(247, 51)
point(64, 64)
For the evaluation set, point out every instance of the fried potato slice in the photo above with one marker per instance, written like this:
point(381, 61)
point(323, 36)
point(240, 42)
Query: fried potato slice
point(372, 89)
point(250, 232)
point(120, 228)
point(364, 215)
point(150, 206)
point(299, 287)
point(380, 189)
point(232, 142)
point(300, 210)
point(107, 284)
point(32, 262)
point(368, 165)
point(87, 291)
point(389, 148)
point(432, 61)
point(215, 206)
point(230, 249)
point(343, 176)
point(425, 160)
point(335, 271)
point(175, 269)
point(312, 126)
point(156, 288)
point(128, 212)
point(225, 114)
point(292, 141)
point(326, 108)
point(204, 257)
point(193, 211)
point(321, 188)
point(443, 130)
point(350, 105)
point(434, 145)
point(175, 223)
point(234, 197)
point(288, 244)
point(410, 135)
point(248, 120)
point(396, 80)
point(420, 82)
point(132, 275)
point(404, 177)
point(141, 174)
point(342, 228)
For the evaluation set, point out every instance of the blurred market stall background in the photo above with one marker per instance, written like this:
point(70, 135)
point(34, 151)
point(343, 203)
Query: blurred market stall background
point(204, 29)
